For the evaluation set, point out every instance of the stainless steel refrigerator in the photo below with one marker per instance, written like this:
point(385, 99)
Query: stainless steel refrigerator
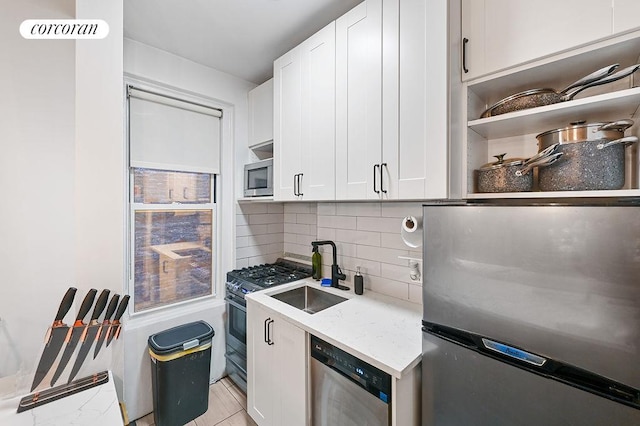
point(531, 313)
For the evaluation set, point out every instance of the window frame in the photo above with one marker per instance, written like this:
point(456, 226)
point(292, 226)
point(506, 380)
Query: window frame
point(216, 211)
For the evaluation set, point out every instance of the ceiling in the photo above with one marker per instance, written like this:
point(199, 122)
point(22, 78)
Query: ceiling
point(239, 37)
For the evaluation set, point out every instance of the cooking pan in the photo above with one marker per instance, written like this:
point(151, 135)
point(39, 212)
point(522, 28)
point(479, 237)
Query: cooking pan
point(540, 97)
point(513, 174)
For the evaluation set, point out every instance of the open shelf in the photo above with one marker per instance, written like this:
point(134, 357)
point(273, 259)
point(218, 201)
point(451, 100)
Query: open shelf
point(606, 107)
point(557, 194)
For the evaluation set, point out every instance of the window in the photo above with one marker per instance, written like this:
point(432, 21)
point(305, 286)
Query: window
point(174, 163)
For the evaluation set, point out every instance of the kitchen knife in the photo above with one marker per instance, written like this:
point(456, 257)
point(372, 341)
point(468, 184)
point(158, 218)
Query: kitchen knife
point(102, 333)
point(74, 333)
point(54, 339)
point(89, 333)
point(114, 328)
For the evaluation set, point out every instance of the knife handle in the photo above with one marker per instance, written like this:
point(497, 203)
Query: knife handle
point(86, 304)
point(112, 306)
point(100, 304)
point(122, 307)
point(66, 303)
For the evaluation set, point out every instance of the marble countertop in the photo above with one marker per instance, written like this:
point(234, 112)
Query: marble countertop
point(96, 406)
point(383, 331)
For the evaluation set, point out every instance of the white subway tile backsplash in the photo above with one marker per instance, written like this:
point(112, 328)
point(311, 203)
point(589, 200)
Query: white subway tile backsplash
point(241, 220)
point(307, 218)
point(296, 228)
point(327, 209)
point(382, 254)
point(300, 208)
point(242, 231)
point(386, 286)
point(415, 293)
point(242, 241)
point(290, 237)
point(379, 224)
point(366, 235)
point(338, 222)
point(358, 209)
point(393, 240)
point(259, 219)
point(252, 208)
point(327, 234)
point(275, 208)
point(402, 209)
point(359, 237)
point(257, 240)
point(274, 228)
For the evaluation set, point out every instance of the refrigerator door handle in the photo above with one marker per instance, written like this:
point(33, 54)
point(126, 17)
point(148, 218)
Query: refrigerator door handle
point(516, 353)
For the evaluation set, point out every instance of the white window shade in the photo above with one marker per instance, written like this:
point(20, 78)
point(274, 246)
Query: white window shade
point(169, 134)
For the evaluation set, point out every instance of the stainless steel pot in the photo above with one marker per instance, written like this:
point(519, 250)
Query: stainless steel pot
point(540, 97)
point(593, 156)
point(513, 174)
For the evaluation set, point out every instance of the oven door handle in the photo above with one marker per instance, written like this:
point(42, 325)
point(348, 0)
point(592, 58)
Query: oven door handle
point(235, 304)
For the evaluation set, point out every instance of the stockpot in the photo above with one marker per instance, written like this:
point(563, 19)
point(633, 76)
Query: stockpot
point(593, 156)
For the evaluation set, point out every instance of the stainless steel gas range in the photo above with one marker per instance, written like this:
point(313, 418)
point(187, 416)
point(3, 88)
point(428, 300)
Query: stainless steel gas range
point(244, 281)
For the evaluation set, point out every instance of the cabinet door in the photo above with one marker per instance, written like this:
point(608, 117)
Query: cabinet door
point(261, 377)
point(516, 32)
point(318, 115)
point(358, 100)
point(287, 132)
point(261, 113)
point(417, 157)
point(626, 15)
point(290, 373)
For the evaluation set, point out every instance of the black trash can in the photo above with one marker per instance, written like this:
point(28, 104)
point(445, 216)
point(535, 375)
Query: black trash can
point(180, 365)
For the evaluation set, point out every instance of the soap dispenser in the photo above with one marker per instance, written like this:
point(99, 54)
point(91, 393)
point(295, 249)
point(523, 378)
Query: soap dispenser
point(358, 285)
point(316, 264)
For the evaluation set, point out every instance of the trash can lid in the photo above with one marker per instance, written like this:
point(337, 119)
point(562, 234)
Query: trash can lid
point(181, 338)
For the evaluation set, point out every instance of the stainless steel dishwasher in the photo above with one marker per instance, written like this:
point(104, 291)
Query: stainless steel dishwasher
point(345, 390)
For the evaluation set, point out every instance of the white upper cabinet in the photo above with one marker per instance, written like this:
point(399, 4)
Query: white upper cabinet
point(318, 116)
point(359, 102)
point(504, 33)
point(261, 114)
point(626, 15)
point(416, 153)
point(304, 120)
point(287, 131)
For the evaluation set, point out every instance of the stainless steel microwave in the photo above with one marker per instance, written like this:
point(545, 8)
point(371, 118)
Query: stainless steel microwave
point(258, 178)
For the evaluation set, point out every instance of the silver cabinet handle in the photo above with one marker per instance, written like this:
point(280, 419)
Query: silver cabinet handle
point(171, 194)
point(266, 330)
point(164, 266)
point(269, 332)
point(184, 193)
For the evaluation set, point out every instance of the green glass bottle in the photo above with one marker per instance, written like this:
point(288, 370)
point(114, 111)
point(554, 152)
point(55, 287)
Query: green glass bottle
point(316, 264)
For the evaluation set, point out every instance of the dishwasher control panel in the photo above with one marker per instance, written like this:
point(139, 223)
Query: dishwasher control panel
point(370, 378)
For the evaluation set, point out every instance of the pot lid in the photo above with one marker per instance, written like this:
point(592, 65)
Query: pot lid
point(619, 125)
point(502, 162)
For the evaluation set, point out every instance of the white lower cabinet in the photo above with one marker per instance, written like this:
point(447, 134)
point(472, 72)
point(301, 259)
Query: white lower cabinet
point(277, 369)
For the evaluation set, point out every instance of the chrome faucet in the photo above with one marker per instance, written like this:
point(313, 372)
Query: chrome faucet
point(336, 272)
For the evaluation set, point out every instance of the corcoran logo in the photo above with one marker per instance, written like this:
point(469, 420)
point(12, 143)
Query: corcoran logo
point(64, 29)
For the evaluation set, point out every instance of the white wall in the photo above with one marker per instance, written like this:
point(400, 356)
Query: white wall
point(37, 172)
point(259, 233)
point(61, 170)
point(162, 69)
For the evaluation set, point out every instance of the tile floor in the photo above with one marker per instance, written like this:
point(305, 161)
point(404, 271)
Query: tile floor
point(227, 407)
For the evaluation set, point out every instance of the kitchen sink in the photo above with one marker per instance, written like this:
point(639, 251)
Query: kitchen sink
point(308, 299)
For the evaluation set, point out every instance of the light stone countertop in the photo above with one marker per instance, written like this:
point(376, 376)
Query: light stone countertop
point(96, 406)
point(383, 331)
